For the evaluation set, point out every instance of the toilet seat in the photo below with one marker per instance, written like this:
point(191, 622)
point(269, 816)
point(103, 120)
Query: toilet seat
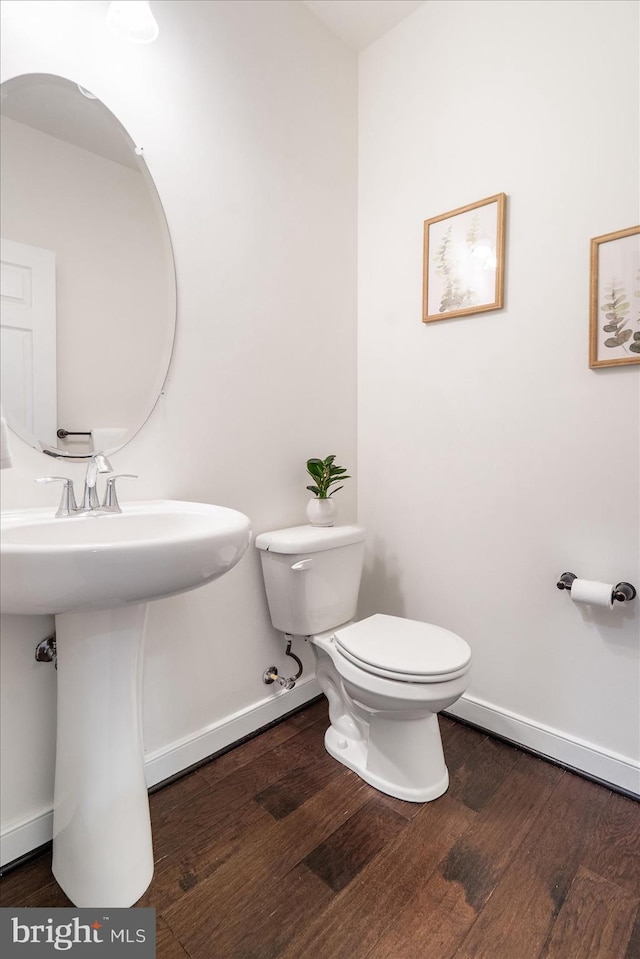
point(404, 650)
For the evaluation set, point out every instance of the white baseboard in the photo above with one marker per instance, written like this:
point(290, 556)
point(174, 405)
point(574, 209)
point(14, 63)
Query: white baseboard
point(21, 836)
point(621, 771)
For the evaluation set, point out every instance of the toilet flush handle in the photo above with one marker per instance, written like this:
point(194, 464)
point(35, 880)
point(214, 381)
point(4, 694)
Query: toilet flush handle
point(303, 564)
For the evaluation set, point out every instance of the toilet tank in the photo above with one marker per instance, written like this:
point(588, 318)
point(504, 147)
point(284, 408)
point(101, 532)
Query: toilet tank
point(312, 576)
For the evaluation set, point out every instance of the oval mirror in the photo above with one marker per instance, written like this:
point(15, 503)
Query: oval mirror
point(88, 280)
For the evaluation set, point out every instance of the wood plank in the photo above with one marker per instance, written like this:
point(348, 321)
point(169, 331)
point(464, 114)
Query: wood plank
point(182, 790)
point(346, 851)
point(265, 857)
point(18, 884)
point(484, 769)
point(33, 885)
point(167, 946)
point(188, 786)
point(458, 743)
point(179, 826)
point(355, 919)
point(406, 809)
point(613, 848)
point(595, 921)
point(633, 947)
point(298, 785)
point(48, 895)
point(518, 917)
point(249, 751)
point(313, 713)
point(189, 866)
point(312, 737)
point(267, 922)
point(441, 909)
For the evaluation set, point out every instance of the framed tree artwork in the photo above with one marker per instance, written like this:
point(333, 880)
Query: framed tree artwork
point(463, 270)
point(614, 329)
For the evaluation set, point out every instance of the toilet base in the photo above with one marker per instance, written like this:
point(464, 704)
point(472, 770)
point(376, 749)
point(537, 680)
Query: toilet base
point(421, 777)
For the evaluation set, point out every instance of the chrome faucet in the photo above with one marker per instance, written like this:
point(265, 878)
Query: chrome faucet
point(90, 502)
point(97, 464)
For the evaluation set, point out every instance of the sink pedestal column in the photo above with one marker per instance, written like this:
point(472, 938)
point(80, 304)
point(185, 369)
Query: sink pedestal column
point(102, 852)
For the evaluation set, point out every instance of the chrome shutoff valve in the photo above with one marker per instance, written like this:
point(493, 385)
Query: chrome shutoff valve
point(271, 674)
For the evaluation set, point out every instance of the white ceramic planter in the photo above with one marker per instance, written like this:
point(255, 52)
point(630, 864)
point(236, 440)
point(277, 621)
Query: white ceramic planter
point(321, 512)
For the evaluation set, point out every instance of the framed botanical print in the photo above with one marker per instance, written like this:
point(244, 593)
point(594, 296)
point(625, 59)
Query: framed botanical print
point(614, 329)
point(463, 269)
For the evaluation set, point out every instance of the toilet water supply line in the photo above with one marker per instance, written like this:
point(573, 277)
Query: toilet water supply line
point(271, 674)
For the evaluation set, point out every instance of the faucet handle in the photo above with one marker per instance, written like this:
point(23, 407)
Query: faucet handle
point(110, 495)
point(68, 503)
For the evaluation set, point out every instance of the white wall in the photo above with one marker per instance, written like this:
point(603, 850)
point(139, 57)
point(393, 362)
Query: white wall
point(247, 113)
point(491, 459)
point(112, 276)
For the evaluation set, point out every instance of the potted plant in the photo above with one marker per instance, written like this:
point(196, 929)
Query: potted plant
point(321, 509)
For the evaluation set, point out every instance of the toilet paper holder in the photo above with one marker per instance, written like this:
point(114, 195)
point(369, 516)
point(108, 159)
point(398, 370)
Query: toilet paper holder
point(622, 593)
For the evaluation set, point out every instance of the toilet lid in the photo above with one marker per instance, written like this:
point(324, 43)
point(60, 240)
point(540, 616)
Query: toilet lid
point(395, 645)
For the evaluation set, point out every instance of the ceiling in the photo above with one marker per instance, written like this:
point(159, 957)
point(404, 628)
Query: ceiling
point(360, 22)
point(57, 106)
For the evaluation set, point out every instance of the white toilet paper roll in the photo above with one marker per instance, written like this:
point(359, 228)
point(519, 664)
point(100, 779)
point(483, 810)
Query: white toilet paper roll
point(593, 593)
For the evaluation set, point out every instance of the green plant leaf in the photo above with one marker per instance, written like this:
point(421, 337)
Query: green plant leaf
point(331, 484)
point(635, 347)
point(335, 490)
point(325, 475)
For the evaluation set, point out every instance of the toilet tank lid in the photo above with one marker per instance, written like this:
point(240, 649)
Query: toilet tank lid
point(310, 539)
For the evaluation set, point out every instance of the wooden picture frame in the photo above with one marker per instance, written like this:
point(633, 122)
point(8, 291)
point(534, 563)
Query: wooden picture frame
point(463, 266)
point(614, 320)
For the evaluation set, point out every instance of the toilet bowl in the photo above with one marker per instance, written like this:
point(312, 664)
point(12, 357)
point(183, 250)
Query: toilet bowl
point(385, 677)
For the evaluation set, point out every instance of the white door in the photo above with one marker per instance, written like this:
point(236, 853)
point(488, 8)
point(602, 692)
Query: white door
point(28, 338)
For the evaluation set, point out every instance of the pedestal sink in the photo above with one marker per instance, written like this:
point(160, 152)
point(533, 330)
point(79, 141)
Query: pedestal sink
point(96, 573)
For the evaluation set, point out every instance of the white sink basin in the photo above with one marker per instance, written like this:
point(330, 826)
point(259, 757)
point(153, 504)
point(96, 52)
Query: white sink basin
point(151, 549)
point(96, 573)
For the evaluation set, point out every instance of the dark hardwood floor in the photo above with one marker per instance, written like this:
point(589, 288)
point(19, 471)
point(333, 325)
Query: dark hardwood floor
point(276, 850)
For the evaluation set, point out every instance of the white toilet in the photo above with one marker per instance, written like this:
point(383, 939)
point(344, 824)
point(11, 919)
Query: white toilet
point(385, 677)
